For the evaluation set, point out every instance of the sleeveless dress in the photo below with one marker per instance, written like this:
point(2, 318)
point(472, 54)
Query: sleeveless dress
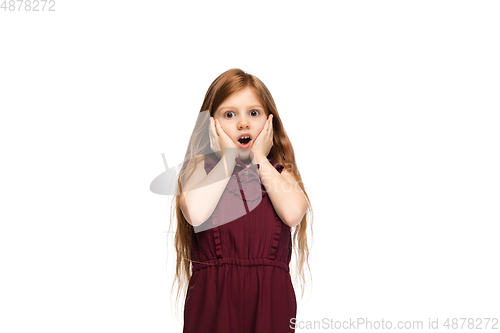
point(240, 279)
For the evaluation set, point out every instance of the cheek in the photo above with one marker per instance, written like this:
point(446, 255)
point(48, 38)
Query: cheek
point(225, 128)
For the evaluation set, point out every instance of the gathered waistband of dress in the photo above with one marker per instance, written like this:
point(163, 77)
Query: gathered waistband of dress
point(240, 262)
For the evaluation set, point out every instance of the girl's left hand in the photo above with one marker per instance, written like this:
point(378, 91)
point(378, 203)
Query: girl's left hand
point(263, 143)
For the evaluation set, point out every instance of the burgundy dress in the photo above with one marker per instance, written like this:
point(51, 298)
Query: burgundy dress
point(241, 281)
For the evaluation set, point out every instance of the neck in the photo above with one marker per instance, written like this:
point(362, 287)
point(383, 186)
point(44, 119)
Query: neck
point(247, 161)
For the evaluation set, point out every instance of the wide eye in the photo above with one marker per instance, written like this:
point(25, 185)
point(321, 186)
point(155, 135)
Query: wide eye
point(253, 112)
point(225, 114)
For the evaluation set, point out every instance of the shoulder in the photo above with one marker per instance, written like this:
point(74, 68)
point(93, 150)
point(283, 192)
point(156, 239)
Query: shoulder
point(285, 172)
point(278, 166)
point(209, 162)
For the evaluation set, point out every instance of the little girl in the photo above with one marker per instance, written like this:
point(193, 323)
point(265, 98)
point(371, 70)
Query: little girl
point(240, 194)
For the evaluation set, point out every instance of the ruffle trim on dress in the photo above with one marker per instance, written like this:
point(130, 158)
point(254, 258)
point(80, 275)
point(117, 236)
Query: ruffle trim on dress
point(218, 246)
point(276, 239)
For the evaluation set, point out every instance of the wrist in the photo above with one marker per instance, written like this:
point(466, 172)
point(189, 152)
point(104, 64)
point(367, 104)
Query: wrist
point(258, 158)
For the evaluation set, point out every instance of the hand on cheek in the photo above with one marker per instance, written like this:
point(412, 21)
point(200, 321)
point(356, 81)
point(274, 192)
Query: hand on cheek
point(264, 141)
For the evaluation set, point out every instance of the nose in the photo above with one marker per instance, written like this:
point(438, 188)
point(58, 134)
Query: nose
point(243, 123)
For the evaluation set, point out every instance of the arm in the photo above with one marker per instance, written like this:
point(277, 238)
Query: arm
point(202, 191)
point(287, 197)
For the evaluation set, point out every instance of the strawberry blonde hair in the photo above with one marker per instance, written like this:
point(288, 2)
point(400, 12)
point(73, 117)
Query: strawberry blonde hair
point(221, 88)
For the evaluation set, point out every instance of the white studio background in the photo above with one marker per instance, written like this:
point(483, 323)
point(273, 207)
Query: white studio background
point(392, 108)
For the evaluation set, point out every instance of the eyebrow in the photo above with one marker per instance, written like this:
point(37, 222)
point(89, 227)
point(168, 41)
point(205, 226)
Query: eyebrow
point(232, 107)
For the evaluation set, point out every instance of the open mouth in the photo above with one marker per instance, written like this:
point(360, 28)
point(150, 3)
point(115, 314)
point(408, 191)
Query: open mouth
point(244, 142)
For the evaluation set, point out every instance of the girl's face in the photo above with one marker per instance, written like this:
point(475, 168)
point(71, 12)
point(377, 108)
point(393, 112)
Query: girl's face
point(242, 114)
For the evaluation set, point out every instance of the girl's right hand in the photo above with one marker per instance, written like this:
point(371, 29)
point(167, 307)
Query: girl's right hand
point(219, 140)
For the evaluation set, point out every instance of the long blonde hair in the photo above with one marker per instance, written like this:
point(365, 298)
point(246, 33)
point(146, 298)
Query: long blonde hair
point(282, 152)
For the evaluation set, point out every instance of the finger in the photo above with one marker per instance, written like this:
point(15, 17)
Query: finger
point(221, 131)
point(213, 131)
point(263, 132)
point(219, 127)
point(217, 130)
point(270, 132)
point(216, 126)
